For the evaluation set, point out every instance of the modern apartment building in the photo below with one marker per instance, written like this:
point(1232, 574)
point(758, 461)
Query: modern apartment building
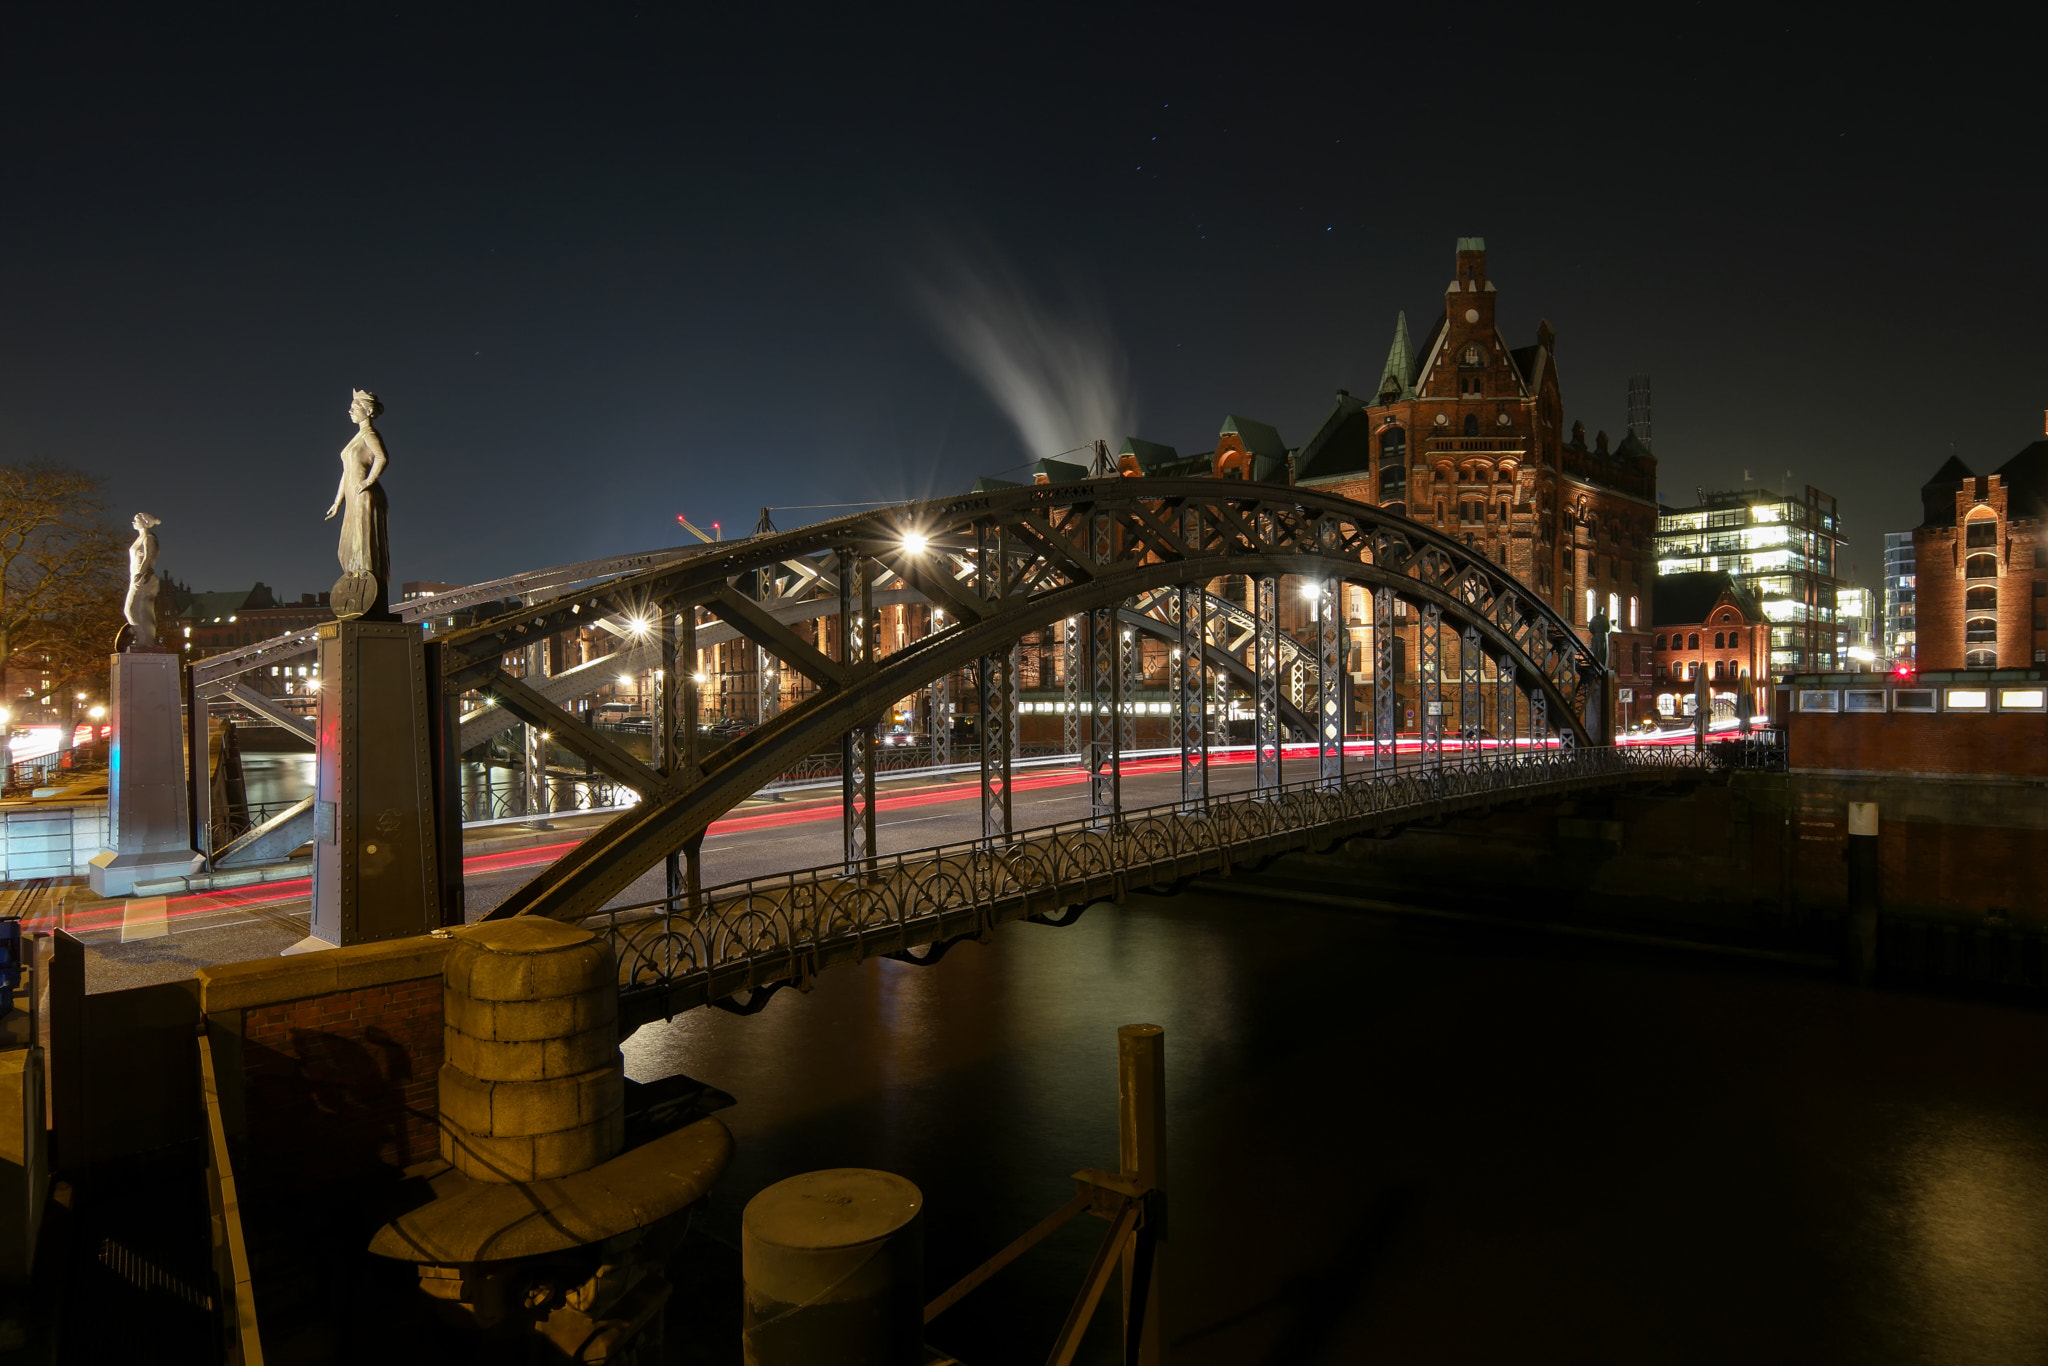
point(1899, 643)
point(1783, 549)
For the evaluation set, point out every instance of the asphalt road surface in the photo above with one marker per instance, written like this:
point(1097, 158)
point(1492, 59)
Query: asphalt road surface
point(757, 839)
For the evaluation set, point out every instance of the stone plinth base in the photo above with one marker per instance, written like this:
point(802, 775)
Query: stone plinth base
point(376, 869)
point(149, 825)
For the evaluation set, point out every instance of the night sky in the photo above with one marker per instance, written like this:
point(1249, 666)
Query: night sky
point(604, 265)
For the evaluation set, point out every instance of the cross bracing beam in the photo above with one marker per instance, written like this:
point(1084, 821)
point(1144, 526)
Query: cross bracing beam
point(609, 861)
point(755, 622)
point(585, 742)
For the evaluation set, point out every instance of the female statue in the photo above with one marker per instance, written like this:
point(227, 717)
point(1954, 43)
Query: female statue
point(365, 539)
point(140, 606)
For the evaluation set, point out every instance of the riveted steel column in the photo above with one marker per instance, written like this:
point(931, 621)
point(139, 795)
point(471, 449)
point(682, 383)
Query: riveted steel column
point(994, 693)
point(1266, 685)
point(1330, 683)
point(1130, 653)
point(1539, 718)
point(1430, 684)
point(667, 727)
point(1105, 692)
point(1471, 703)
point(1384, 684)
point(995, 678)
point(1071, 667)
point(536, 794)
point(1504, 705)
point(1013, 681)
point(685, 878)
point(857, 749)
point(1191, 691)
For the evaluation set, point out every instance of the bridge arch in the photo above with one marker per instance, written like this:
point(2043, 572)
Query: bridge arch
point(1002, 565)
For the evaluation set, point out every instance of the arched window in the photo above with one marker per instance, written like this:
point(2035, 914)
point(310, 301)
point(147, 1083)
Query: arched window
point(1692, 641)
point(1717, 671)
point(1393, 465)
point(1660, 642)
point(1981, 567)
point(1472, 357)
point(1471, 424)
point(1718, 642)
point(1981, 599)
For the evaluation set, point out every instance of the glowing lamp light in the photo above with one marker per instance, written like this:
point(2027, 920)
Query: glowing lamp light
point(97, 712)
point(625, 680)
point(1311, 590)
point(313, 685)
point(915, 542)
point(698, 679)
point(638, 626)
point(5, 716)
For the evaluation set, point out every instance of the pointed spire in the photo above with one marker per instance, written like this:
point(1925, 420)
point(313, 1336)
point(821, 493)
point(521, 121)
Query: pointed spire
point(1400, 366)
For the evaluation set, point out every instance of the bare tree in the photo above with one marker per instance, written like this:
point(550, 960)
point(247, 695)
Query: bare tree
point(61, 573)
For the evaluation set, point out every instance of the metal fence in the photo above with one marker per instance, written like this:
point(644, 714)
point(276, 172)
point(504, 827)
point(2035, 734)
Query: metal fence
point(766, 932)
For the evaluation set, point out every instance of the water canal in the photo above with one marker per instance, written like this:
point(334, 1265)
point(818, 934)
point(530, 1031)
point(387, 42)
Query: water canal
point(1392, 1141)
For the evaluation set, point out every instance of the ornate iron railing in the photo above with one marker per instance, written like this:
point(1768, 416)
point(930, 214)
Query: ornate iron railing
point(762, 933)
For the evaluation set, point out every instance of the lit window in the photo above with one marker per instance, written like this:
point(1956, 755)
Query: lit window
point(1631, 611)
point(1614, 611)
point(1968, 699)
point(1590, 600)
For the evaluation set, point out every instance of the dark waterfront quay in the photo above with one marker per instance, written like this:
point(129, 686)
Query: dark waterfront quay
point(1396, 1140)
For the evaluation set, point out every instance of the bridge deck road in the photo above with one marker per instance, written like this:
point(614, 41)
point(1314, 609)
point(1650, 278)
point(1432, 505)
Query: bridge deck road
point(758, 838)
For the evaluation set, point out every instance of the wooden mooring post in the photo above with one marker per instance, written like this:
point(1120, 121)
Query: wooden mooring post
point(1132, 1200)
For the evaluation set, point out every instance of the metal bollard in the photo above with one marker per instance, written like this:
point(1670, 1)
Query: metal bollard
point(834, 1268)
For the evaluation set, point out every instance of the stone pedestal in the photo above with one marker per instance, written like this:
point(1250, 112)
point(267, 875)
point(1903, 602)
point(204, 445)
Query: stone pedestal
point(548, 1224)
point(148, 822)
point(376, 869)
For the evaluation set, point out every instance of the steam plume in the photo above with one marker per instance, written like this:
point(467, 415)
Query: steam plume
point(1060, 376)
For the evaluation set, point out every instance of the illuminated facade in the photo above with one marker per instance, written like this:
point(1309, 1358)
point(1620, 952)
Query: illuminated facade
point(1981, 565)
point(1900, 608)
point(1783, 551)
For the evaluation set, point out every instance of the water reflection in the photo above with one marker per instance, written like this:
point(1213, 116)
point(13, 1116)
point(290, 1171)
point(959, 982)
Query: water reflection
point(1394, 1142)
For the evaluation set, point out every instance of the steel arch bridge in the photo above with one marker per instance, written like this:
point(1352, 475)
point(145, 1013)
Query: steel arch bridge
point(1083, 558)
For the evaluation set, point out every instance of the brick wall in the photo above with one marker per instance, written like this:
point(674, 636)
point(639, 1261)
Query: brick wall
point(2007, 744)
point(335, 1061)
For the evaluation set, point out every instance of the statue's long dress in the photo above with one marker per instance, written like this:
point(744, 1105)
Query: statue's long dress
point(140, 605)
point(365, 520)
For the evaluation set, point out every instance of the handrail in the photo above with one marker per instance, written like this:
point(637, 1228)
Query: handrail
point(237, 1303)
point(762, 932)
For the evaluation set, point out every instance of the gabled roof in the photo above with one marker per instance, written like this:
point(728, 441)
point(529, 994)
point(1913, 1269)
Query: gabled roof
point(1425, 355)
point(1268, 451)
point(1258, 437)
point(1938, 495)
point(2025, 476)
point(1689, 599)
point(1060, 471)
point(1400, 366)
point(1149, 454)
point(1341, 445)
point(990, 484)
point(1530, 362)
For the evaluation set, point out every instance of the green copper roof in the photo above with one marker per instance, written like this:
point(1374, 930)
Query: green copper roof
point(1342, 445)
point(1060, 471)
point(1471, 244)
point(990, 484)
point(1258, 437)
point(1400, 366)
point(1150, 455)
